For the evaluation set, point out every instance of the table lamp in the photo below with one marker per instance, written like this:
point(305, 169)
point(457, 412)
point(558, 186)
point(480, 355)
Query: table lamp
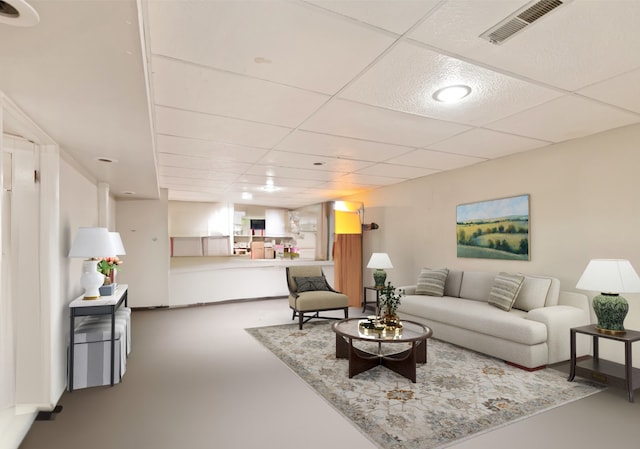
point(379, 261)
point(610, 277)
point(91, 243)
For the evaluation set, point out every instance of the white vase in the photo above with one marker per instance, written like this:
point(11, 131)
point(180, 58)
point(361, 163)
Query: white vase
point(91, 280)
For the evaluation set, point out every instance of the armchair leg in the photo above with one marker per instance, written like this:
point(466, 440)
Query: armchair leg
point(301, 315)
point(346, 313)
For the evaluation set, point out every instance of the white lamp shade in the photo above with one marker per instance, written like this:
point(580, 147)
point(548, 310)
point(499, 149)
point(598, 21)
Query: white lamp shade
point(379, 261)
point(116, 241)
point(92, 242)
point(609, 276)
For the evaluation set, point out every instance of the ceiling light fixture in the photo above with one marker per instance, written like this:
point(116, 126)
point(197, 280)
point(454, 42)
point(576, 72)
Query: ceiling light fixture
point(18, 13)
point(451, 94)
point(269, 187)
point(247, 196)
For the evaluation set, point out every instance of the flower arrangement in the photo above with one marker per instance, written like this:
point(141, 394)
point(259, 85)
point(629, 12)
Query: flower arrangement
point(108, 266)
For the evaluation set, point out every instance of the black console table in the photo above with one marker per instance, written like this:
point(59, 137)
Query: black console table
point(104, 305)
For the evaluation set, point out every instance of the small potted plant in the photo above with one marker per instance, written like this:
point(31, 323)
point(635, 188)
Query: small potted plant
point(108, 266)
point(390, 298)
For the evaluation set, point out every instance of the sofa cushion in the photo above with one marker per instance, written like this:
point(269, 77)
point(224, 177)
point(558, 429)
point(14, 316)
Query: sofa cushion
point(505, 290)
point(431, 282)
point(454, 281)
point(318, 300)
point(477, 285)
point(533, 293)
point(476, 316)
point(311, 283)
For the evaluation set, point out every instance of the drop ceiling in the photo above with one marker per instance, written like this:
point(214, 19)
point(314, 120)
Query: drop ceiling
point(323, 99)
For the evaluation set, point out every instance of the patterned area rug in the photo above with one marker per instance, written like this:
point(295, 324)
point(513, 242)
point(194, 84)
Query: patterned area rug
point(458, 392)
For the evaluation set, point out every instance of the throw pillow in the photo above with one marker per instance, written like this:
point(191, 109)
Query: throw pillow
point(533, 293)
point(505, 289)
point(431, 282)
point(311, 283)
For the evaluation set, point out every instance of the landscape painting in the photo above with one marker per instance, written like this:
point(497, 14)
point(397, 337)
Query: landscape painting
point(496, 229)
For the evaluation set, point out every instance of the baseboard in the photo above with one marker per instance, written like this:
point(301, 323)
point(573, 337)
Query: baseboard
point(211, 303)
point(14, 426)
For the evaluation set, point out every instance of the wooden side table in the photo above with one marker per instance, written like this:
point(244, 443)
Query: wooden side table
point(595, 368)
point(364, 296)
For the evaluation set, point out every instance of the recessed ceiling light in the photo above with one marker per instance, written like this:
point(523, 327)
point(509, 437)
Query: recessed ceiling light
point(451, 94)
point(106, 160)
point(247, 196)
point(18, 13)
point(128, 192)
point(318, 163)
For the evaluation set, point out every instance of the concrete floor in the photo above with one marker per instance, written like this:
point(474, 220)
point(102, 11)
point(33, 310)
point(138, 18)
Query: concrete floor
point(196, 379)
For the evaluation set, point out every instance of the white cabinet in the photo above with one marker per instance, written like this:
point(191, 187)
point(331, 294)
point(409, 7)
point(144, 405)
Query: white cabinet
point(276, 221)
point(200, 246)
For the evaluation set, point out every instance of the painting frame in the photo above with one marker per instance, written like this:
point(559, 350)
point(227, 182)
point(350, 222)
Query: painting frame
point(494, 229)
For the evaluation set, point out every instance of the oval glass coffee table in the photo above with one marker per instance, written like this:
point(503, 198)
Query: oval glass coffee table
point(413, 334)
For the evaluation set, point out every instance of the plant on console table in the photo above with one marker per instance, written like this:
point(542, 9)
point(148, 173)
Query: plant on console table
point(108, 266)
point(390, 298)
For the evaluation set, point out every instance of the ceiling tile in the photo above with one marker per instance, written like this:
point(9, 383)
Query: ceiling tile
point(187, 86)
point(621, 91)
point(565, 118)
point(340, 147)
point(306, 161)
point(583, 41)
point(179, 172)
point(286, 42)
point(393, 15)
point(176, 194)
point(222, 129)
point(485, 143)
point(205, 148)
point(281, 181)
point(199, 163)
point(292, 173)
point(396, 171)
point(406, 78)
point(349, 119)
point(435, 160)
point(192, 182)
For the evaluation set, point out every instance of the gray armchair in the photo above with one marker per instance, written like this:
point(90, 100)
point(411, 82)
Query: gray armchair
point(310, 293)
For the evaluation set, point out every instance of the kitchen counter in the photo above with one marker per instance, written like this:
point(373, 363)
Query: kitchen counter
point(200, 280)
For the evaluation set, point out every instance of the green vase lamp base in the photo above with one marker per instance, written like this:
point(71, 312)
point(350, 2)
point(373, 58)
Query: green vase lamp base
point(379, 277)
point(611, 311)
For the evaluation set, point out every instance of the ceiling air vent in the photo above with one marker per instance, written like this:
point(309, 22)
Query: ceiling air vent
point(520, 19)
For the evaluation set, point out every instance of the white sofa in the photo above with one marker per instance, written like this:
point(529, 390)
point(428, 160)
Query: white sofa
point(532, 334)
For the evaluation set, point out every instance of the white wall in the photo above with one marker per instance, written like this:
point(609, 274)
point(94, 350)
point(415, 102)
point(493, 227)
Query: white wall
point(585, 203)
point(143, 227)
point(192, 219)
point(78, 208)
point(195, 280)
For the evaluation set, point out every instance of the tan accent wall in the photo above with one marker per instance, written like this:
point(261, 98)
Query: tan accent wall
point(585, 203)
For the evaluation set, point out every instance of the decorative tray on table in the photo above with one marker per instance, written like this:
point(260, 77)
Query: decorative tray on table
point(373, 325)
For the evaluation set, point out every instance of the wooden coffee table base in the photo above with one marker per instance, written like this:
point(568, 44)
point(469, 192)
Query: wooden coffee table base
point(403, 363)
